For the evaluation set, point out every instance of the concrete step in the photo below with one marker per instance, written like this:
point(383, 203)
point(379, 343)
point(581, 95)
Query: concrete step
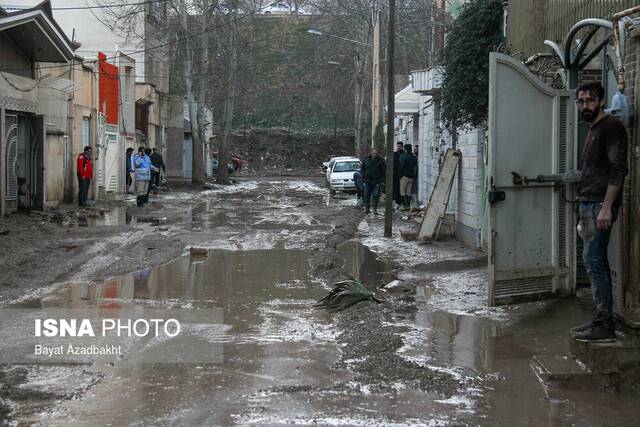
point(558, 373)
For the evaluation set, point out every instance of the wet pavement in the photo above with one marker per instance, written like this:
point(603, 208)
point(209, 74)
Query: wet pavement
point(431, 354)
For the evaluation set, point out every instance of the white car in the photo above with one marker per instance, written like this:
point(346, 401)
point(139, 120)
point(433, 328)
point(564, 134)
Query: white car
point(327, 166)
point(340, 173)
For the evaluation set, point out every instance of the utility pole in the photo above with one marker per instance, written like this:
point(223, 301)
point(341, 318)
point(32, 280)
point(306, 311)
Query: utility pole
point(376, 93)
point(388, 197)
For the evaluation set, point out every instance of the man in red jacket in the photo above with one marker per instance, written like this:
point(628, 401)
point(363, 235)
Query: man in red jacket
point(84, 169)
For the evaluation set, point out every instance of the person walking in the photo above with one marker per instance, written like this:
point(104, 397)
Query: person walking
point(130, 168)
point(414, 184)
point(408, 168)
point(396, 172)
point(373, 170)
point(158, 162)
point(142, 176)
point(603, 170)
point(359, 183)
point(84, 171)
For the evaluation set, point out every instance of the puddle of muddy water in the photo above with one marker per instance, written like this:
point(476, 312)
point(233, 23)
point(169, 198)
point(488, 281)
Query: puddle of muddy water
point(271, 335)
point(363, 264)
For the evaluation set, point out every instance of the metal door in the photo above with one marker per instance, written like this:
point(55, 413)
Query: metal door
point(38, 163)
point(531, 224)
point(11, 166)
point(187, 156)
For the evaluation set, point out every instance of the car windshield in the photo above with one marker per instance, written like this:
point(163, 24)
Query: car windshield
point(347, 166)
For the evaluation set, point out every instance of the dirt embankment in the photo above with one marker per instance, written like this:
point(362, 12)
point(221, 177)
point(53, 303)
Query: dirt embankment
point(270, 152)
point(369, 343)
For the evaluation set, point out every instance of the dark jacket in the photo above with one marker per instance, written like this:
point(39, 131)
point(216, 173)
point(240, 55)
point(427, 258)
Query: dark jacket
point(358, 179)
point(408, 165)
point(604, 160)
point(373, 171)
point(157, 161)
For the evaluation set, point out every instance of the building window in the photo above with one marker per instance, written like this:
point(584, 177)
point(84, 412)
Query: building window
point(86, 131)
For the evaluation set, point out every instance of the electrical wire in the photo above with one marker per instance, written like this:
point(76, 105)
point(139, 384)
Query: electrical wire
point(18, 88)
point(88, 7)
point(206, 30)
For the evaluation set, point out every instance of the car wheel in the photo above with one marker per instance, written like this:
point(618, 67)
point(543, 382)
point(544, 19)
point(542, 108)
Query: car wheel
point(332, 192)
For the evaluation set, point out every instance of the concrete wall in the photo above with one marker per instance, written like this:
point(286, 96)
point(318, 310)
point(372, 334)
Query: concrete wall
point(174, 134)
point(84, 104)
point(470, 194)
point(54, 170)
point(13, 59)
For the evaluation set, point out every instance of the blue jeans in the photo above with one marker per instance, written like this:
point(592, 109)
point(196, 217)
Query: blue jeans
point(596, 259)
point(371, 189)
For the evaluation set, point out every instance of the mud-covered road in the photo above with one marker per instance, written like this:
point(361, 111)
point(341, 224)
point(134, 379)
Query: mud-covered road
point(431, 353)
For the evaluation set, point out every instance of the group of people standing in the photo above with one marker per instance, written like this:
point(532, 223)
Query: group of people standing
point(369, 178)
point(143, 172)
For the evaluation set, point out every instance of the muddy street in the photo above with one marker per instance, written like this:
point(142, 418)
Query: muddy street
point(243, 266)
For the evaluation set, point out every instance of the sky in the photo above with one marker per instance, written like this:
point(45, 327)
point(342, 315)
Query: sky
point(89, 31)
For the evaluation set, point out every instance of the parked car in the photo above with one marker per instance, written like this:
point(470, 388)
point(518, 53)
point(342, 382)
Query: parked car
point(341, 174)
point(330, 163)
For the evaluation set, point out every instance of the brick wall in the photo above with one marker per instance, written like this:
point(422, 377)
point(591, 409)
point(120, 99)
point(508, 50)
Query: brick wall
point(631, 214)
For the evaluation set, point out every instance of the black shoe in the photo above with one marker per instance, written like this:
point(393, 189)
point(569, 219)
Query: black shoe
point(375, 212)
point(367, 211)
point(581, 328)
point(597, 333)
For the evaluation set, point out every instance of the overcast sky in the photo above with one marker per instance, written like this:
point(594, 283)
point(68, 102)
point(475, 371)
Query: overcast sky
point(89, 31)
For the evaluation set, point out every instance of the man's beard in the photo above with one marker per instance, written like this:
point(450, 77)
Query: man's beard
point(590, 115)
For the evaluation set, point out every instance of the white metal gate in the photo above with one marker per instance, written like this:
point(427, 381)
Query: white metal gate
point(11, 172)
point(109, 156)
point(531, 241)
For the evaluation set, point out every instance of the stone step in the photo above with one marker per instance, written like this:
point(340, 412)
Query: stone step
point(559, 373)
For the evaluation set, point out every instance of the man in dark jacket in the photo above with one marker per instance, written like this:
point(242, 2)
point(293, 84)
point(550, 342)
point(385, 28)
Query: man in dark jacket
point(603, 170)
point(408, 168)
point(158, 162)
point(373, 171)
point(359, 183)
point(396, 170)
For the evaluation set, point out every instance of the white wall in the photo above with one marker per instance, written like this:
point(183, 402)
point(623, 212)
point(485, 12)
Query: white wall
point(467, 194)
point(470, 194)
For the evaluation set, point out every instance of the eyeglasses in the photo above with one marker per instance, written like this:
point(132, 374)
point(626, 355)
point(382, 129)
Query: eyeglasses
point(589, 101)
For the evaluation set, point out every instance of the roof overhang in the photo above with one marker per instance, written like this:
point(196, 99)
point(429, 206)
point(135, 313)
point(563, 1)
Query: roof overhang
point(407, 101)
point(38, 36)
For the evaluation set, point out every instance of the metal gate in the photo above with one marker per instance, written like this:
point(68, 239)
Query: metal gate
point(11, 178)
point(531, 241)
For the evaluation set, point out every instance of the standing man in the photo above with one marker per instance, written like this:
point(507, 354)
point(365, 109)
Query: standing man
point(130, 168)
point(603, 169)
point(408, 168)
point(84, 170)
point(158, 162)
point(373, 171)
point(359, 183)
point(142, 165)
point(396, 172)
point(414, 184)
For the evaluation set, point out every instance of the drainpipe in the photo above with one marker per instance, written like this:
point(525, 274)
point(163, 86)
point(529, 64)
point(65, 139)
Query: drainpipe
point(505, 15)
point(618, 27)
